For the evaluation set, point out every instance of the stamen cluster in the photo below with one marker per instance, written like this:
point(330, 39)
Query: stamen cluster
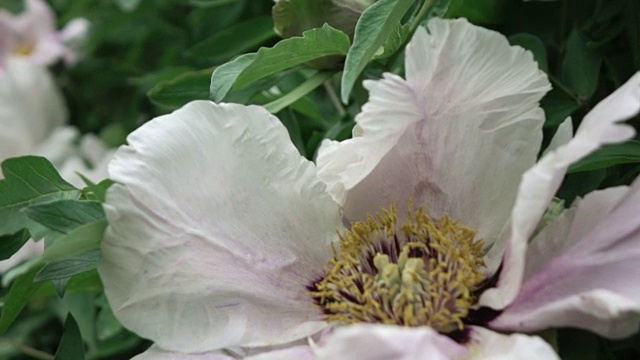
point(420, 273)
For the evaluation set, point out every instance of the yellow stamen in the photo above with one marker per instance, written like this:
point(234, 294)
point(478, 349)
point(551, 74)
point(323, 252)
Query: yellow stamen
point(419, 273)
point(24, 49)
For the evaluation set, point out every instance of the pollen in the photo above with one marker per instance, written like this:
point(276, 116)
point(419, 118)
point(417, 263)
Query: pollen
point(24, 49)
point(420, 272)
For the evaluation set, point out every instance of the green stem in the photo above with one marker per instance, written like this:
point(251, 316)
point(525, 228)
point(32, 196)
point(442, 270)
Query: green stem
point(27, 350)
point(424, 10)
point(334, 98)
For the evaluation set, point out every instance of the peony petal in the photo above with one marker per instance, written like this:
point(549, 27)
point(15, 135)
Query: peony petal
point(540, 183)
point(388, 342)
point(31, 105)
point(582, 270)
point(301, 352)
point(563, 135)
point(156, 353)
point(217, 228)
point(28, 251)
point(454, 137)
point(488, 345)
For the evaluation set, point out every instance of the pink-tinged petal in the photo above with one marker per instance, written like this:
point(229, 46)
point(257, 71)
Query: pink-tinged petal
point(488, 345)
point(455, 137)
point(540, 183)
point(31, 107)
point(39, 19)
point(156, 353)
point(216, 227)
point(73, 36)
point(388, 342)
point(300, 352)
point(582, 270)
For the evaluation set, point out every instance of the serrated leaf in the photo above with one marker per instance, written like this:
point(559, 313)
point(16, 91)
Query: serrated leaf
point(82, 239)
point(533, 44)
point(70, 266)
point(224, 76)
point(372, 30)
point(581, 65)
point(177, 92)
point(609, 155)
point(21, 291)
point(28, 180)
point(234, 40)
point(314, 44)
point(9, 244)
point(71, 345)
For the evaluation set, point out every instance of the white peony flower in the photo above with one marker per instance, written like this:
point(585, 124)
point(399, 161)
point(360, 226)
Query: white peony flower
point(32, 122)
point(32, 34)
point(222, 238)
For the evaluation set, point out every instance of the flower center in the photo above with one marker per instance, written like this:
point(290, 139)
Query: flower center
point(420, 273)
point(24, 49)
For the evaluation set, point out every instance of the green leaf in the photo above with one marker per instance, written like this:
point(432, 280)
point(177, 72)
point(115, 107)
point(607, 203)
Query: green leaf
point(314, 44)
point(609, 155)
point(234, 40)
point(28, 180)
point(224, 76)
point(293, 17)
point(533, 44)
point(9, 244)
point(21, 291)
point(107, 325)
point(71, 345)
point(372, 30)
point(557, 107)
point(581, 65)
point(64, 216)
point(394, 42)
point(70, 266)
point(97, 191)
point(176, 92)
point(632, 25)
point(297, 93)
point(82, 239)
point(477, 11)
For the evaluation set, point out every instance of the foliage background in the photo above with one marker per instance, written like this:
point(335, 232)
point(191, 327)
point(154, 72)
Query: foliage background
point(144, 58)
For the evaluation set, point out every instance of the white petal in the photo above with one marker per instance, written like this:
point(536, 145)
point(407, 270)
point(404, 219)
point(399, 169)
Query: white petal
point(156, 353)
point(217, 229)
point(582, 270)
point(455, 136)
point(388, 342)
point(300, 352)
point(563, 135)
point(28, 251)
point(540, 183)
point(31, 107)
point(488, 345)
